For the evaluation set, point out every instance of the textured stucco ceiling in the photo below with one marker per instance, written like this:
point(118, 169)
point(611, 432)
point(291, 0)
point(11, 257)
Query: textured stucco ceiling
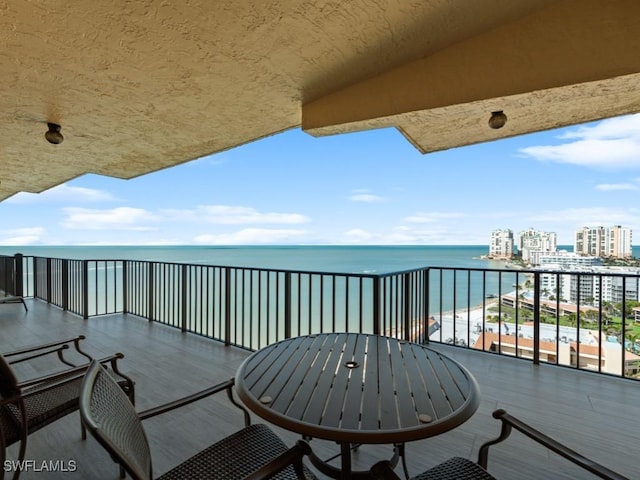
point(140, 85)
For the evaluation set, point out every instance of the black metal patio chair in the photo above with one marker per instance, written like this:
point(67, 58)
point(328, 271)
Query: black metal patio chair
point(59, 347)
point(253, 452)
point(27, 405)
point(458, 468)
point(70, 355)
point(7, 299)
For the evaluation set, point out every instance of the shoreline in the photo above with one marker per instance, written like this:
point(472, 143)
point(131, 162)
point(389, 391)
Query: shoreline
point(472, 312)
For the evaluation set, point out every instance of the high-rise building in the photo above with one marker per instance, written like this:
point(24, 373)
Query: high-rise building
point(604, 241)
point(501, 245)
point(531, 243)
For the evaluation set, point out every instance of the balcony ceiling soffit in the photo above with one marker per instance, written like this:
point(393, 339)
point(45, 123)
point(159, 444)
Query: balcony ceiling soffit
point(141, 86)
point(545, 70)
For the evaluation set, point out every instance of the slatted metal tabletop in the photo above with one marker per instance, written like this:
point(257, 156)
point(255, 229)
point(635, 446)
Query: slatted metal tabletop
point(357, 388)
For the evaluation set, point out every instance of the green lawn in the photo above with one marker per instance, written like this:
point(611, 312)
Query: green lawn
point(614, 323)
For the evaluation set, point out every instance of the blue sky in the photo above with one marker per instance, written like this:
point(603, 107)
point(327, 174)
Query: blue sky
point(362, 188)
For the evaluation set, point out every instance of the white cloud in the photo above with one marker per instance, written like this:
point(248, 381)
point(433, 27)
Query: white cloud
point(606, 187)
point(564, 222)
point(62, 193)
point(618, 127)
point(251, 236)
point(122, 218)
point(411, 235)
point(234, 215)
point(610, 144)
point(593, 216)
point(364, 196)
point(433, 217)
point(22, 236)
point(357, 235)
point(424, 228)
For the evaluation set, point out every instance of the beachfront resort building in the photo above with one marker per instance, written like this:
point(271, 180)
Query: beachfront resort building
point(566, 287)
point(501, 244)
point(564, 260)
point(532, 243)
point(604, 241)
point(595, 283)
point(597, 355)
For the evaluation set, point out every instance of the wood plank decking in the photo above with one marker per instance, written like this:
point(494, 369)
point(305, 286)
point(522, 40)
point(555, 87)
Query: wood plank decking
point(597, 415)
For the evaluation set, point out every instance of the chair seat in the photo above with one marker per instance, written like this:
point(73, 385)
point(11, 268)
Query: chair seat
point(45, 407)
point(235, 457)
point(42, 409)
point(456, 468)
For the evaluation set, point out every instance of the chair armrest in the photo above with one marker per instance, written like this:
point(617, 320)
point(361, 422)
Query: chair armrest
point(58, 347)
point(293, 456)
point(55, 382)
point(383, 471)
point(509, 422)
point(194, 397)
point(71, 372)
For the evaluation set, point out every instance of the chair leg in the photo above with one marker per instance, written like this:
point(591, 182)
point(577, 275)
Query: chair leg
point(21, 454)
point(23, 441)
point(3, 454)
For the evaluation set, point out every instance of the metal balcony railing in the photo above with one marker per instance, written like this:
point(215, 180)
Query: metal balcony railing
point(582, 320)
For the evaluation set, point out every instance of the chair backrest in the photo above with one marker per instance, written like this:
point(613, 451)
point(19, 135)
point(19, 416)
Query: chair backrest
point(110, 417)
point(8, 381)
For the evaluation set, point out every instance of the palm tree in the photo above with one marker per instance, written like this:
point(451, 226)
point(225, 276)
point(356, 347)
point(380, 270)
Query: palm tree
point(633, 338)
point(572, 318)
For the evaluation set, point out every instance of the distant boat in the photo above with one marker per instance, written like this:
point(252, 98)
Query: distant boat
point(491, 295)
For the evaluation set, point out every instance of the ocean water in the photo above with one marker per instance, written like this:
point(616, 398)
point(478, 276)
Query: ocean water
point(449, 290)
point(338, 259)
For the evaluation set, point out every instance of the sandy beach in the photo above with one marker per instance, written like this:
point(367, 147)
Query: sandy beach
point(468, 324)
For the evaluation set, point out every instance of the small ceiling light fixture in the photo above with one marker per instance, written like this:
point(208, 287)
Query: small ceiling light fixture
point(497, 120)
point(53, 135)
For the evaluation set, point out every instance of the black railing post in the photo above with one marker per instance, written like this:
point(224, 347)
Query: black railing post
point(49, 281)
point(184, 297)
point(287, 305)
point(85, 289)
point(150, 290)
point(407, 307)
point(536, 318)
point(65, 284)
point(34, 263)
point(19, 278)
point(377, 321)
point(426, 316)
point(125, 286)
point(227, 306)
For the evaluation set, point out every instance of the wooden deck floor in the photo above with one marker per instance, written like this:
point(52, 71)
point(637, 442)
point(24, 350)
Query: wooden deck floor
point(597, 415)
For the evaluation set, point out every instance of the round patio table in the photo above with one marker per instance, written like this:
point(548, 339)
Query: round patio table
point(357, 388)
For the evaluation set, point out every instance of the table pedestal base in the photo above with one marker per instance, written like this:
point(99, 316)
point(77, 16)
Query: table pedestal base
point(345, 472)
